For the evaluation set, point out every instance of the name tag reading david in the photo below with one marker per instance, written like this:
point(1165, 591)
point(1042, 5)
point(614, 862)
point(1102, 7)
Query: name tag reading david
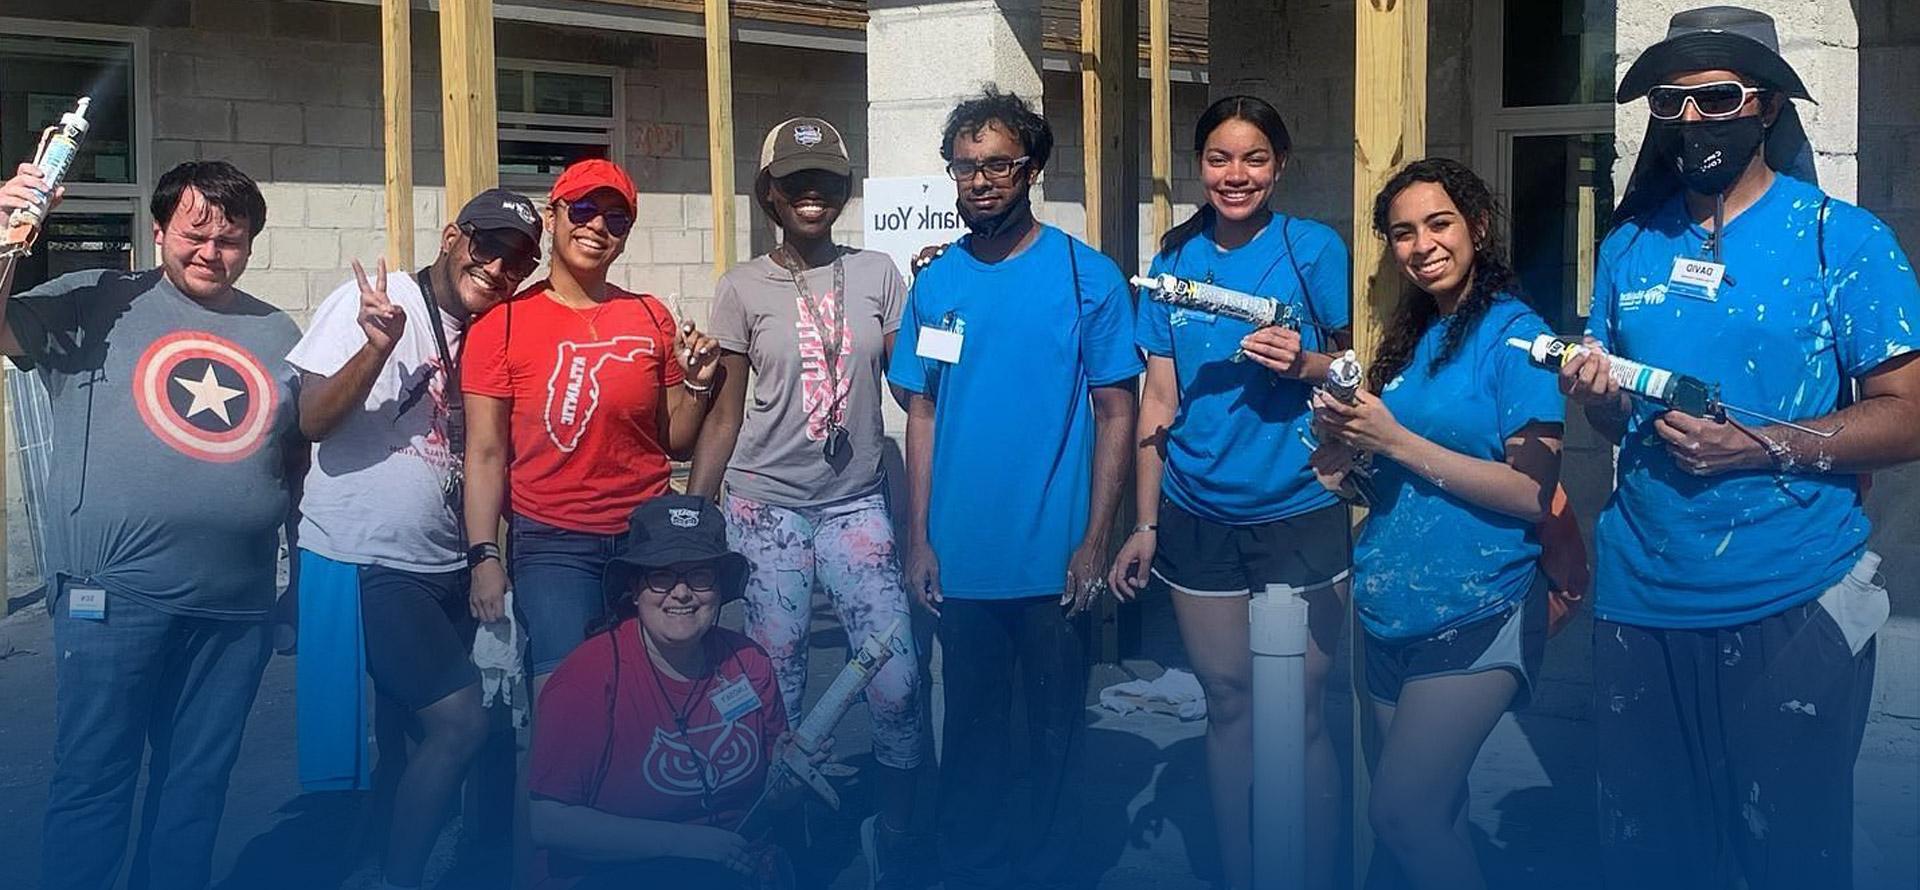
point(735, 700)
point(1699, 279)
point(939, 344)
point(87, 602)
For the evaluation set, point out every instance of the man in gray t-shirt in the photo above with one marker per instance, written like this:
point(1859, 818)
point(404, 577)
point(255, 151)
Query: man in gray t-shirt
point(172, 427)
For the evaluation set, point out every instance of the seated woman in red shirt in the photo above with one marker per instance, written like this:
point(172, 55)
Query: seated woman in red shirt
point(577, 393)
point(669, 723)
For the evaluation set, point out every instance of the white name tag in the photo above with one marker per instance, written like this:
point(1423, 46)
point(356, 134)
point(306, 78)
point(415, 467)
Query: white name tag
point(939, 345)
point(735, 700)
point(87, 602)
point(1699, 279)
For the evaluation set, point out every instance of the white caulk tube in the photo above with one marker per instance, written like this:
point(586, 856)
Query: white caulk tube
point(794, 768)
point(1278, 617)
point(59, 145)
point(1191, 294)
point(1550, 352)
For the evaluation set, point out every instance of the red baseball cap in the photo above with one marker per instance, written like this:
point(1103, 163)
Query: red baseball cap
point(583, 177)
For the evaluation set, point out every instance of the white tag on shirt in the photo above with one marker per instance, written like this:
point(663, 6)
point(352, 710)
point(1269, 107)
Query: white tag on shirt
point(87, 602)
point(735, 700)
point(939, 345)
point(1696, 278)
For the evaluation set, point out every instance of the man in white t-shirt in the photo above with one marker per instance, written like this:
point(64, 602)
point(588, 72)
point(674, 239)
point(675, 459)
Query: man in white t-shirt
point(383, 566)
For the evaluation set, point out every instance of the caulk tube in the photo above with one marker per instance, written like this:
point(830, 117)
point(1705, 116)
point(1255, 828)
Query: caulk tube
point(1551, 352)
point(1278, 621)
point(1343, 382)
point(1191, 294)
point(59, 145)
point(793, 768)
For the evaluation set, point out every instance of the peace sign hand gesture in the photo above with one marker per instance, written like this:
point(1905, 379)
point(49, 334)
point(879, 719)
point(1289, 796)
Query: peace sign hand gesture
point(379, 317)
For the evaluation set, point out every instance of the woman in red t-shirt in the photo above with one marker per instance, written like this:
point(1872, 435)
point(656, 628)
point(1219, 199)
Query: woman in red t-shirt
point(670, 724)
point(577, 394)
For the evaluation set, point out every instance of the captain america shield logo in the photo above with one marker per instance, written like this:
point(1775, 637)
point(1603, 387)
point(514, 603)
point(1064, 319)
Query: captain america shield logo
point(205, 396)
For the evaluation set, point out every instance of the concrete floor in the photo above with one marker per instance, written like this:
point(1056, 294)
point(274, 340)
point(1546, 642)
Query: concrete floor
point(1146, 815)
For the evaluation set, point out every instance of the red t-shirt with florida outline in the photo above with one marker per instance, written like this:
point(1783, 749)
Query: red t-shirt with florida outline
point(586, 387)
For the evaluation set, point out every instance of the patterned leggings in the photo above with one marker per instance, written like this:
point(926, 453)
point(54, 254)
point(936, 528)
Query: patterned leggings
point(848, 547)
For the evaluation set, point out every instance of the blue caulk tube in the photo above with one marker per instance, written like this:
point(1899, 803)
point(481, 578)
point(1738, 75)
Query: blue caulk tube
point(59, 144)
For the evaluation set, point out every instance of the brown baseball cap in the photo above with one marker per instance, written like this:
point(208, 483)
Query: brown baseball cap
point(804, 143)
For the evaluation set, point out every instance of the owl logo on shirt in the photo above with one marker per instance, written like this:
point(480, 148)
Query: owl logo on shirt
point(702, 760)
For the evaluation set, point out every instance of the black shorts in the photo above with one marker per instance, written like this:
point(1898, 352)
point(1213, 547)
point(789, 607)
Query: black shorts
point(1513, 639)
point(419, 634)
point(1200, 557)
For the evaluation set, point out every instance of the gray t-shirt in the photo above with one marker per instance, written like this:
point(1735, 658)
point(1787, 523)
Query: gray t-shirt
point(171, 424)
point(780, 458)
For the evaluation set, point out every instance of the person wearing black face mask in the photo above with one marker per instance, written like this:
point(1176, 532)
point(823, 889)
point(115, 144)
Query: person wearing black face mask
point(1735, 599)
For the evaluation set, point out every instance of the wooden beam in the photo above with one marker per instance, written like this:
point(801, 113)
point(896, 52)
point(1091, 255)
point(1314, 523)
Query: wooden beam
point(469, 108)
point(1389, 130)
point(1160, 75)
point(1110, 139)
point(396, 80)
point(720, 130)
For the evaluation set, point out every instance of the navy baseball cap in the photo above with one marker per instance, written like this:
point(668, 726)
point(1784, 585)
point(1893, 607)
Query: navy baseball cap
point(497, 208)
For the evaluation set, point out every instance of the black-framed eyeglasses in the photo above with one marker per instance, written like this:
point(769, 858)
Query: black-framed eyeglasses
point(1719, 100)
point(487, 245)
point(997, 169)
point(582, 211)
point(700, 578)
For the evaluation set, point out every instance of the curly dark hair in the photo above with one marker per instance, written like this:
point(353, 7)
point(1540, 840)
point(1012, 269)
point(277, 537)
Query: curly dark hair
point(1491, 273)
point(1009, 111)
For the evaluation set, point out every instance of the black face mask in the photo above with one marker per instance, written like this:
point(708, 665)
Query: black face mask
point(1710, 155)
point(994, 224)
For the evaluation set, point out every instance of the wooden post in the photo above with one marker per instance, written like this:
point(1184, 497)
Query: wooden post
point(1160, 74)
point(1389, 130)
point(470, 111)
point(720, 129)
point(396, 55)
point(1109, 65)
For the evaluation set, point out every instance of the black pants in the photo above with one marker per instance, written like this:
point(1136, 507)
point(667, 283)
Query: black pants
point(1729, 752)
point(983, 844)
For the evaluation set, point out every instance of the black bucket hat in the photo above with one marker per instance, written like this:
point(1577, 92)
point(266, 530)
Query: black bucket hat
point(1711, 37)
point(670, 529)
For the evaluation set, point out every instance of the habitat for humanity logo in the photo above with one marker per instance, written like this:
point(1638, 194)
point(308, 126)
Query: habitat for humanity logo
point(1634, 299)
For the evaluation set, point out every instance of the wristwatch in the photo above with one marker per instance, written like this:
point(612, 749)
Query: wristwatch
point(482, 552)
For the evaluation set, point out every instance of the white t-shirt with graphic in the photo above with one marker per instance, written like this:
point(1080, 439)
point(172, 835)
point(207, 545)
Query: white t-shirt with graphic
point(374, 493)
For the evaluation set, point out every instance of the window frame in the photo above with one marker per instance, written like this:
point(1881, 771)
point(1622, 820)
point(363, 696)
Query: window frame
point(522, 124)
point(99, 197)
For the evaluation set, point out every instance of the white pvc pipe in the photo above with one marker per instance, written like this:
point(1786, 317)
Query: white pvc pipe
point(1278, 617)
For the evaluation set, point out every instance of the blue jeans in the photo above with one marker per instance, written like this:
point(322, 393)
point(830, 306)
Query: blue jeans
point(144, 677)
point(558, 586)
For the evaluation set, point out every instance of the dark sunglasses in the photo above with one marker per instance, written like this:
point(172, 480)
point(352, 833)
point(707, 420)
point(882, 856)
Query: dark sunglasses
point(1716, 101)
point(997, 169)
point(700, 578)
point(619, 219)
point(487, 245)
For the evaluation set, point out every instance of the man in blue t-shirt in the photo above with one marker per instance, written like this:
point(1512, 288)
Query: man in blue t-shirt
point(1733, 655)
point(175, 422)
point(1017, 348)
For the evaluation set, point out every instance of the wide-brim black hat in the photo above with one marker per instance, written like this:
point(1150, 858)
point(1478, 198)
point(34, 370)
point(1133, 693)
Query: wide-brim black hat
point(671, 529)
point(1714, 37)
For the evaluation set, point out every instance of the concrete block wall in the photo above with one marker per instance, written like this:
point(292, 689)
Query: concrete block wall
point(290, 91)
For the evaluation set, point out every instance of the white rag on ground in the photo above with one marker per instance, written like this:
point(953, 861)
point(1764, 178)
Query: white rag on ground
point(496, 652)
point(1175, 692)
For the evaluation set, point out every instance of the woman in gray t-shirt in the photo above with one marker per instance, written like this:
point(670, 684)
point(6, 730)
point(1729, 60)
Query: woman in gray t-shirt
point(815, 322)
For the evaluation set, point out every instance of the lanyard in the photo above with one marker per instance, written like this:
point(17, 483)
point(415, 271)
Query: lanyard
point(453, 487)
point(832, 330)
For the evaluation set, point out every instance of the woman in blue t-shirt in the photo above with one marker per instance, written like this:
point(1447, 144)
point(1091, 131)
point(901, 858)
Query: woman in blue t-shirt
point(1227, 505)
point(1465, 442)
